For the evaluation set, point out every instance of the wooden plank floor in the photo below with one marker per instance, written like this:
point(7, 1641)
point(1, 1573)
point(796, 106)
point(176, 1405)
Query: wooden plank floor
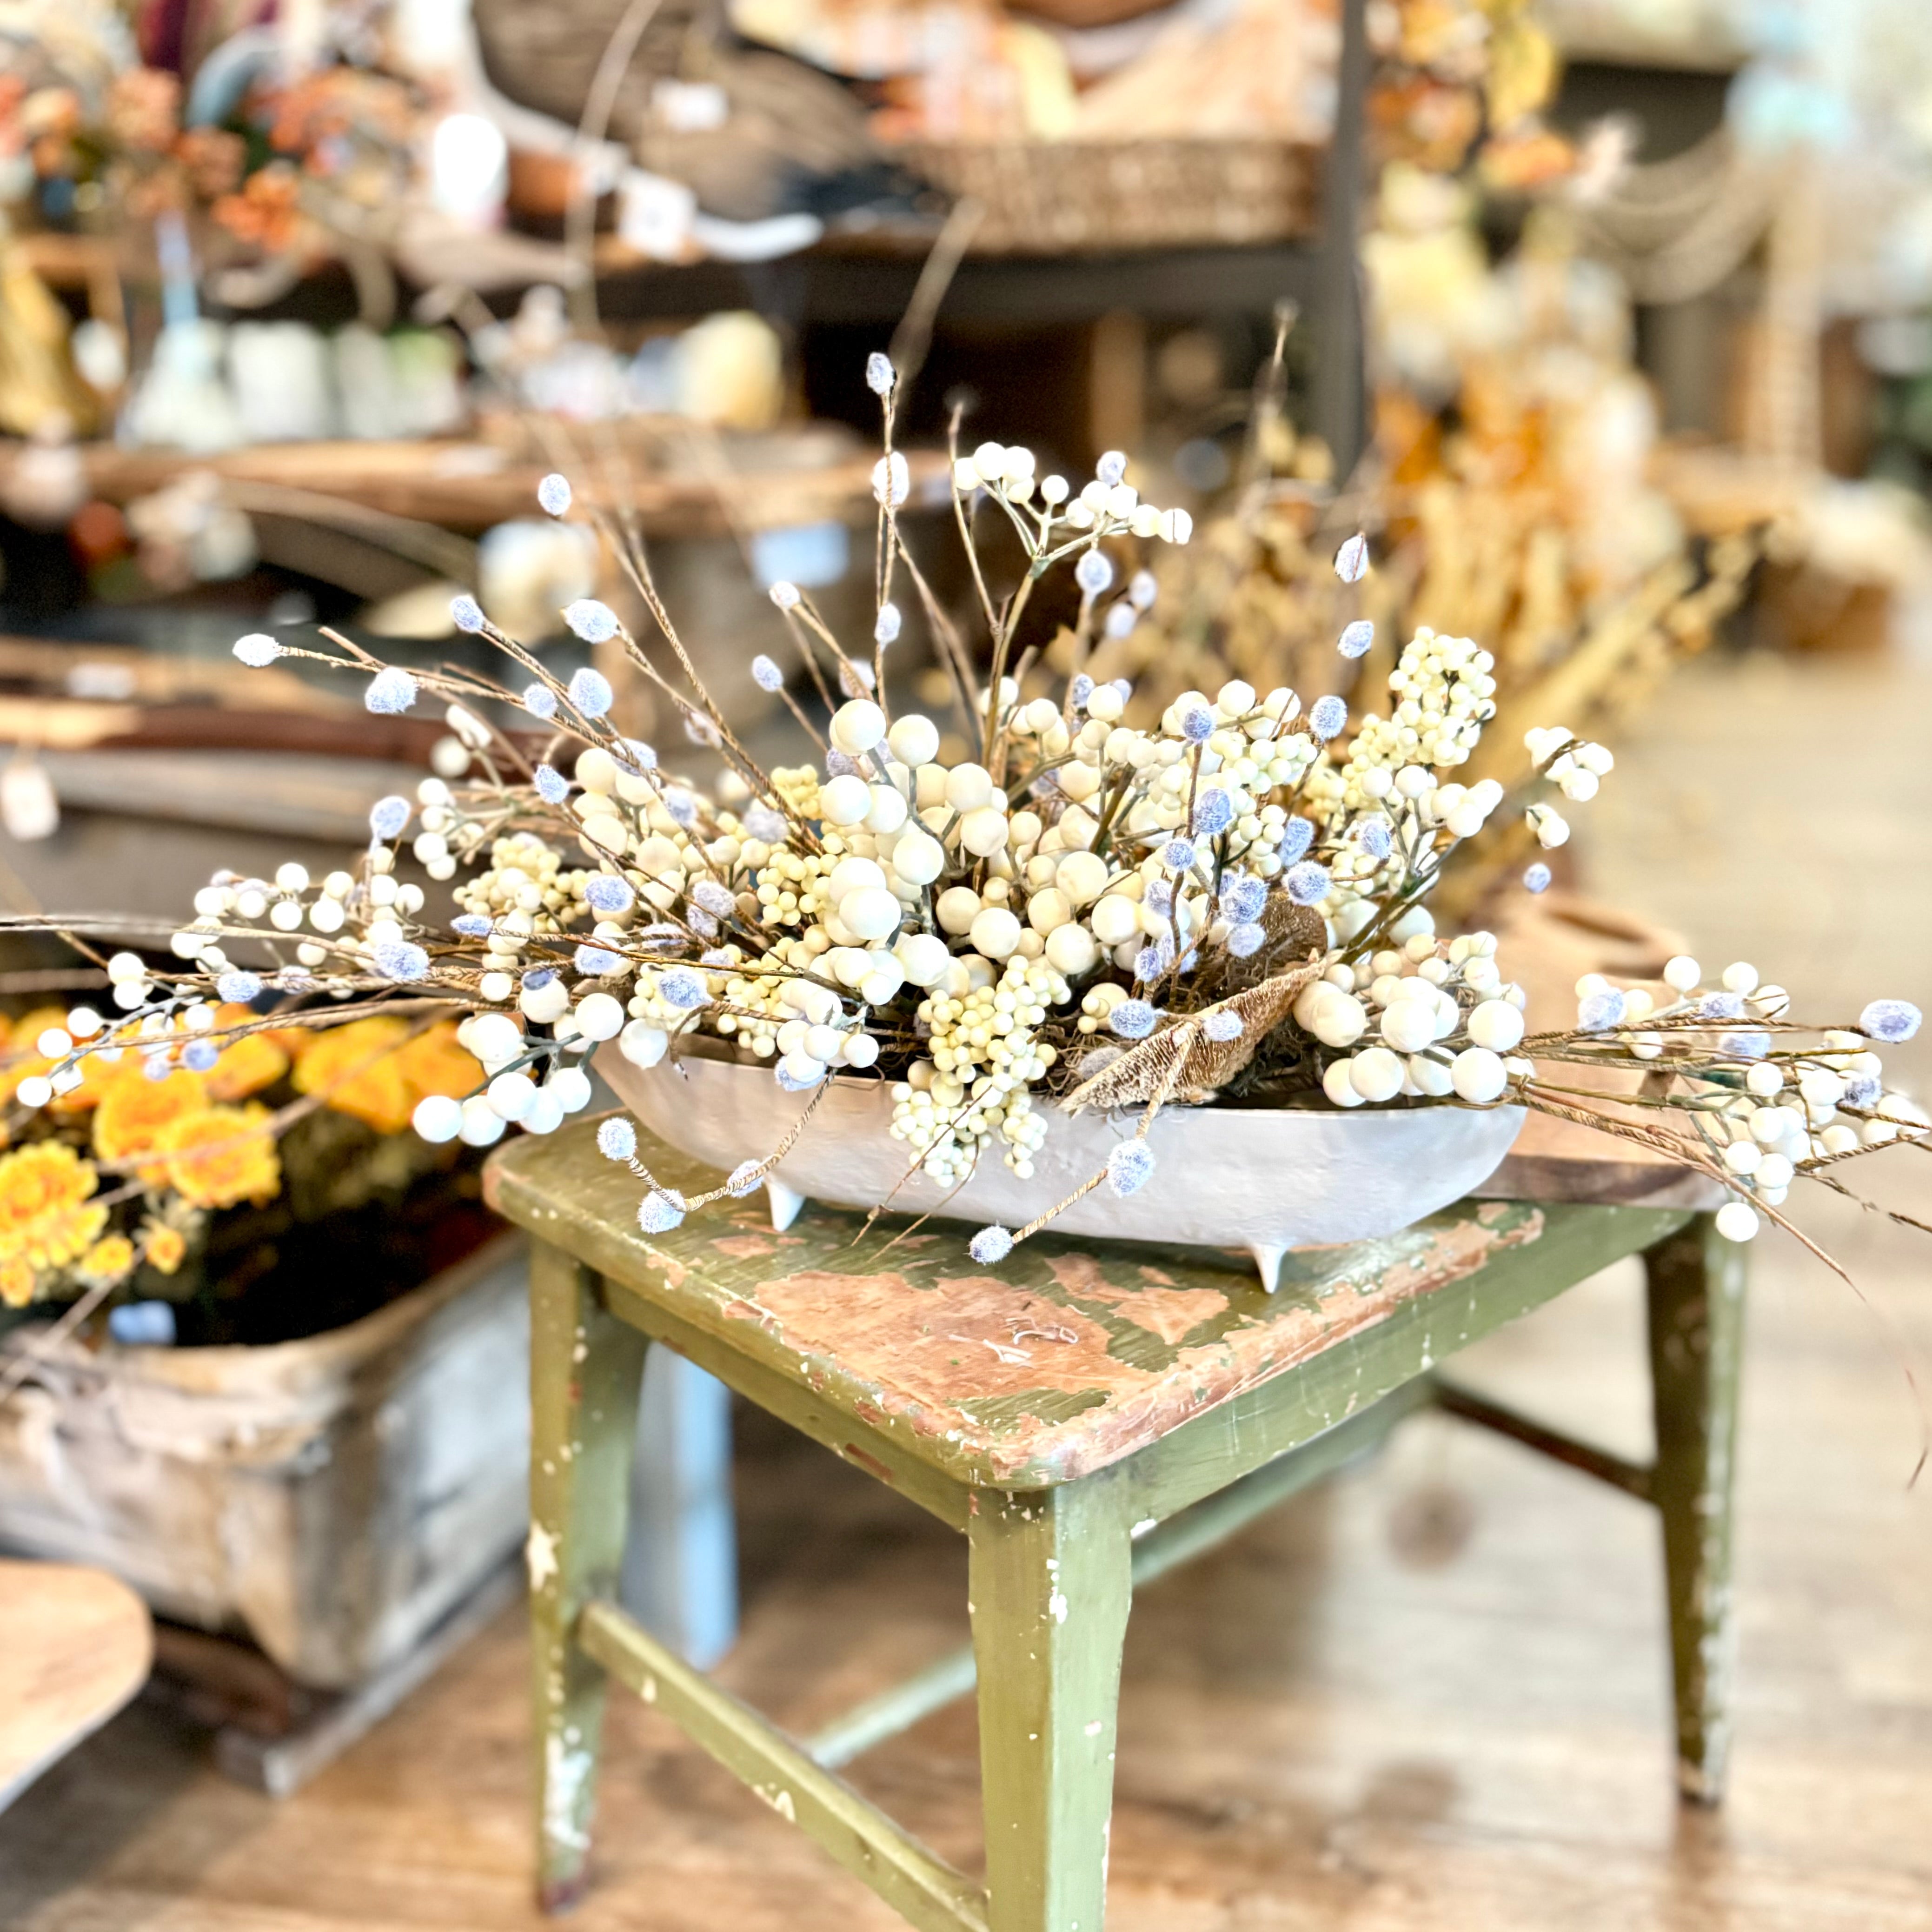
point(1429, 1697)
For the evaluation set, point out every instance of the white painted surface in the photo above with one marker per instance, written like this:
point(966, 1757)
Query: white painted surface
point(1265, 1179)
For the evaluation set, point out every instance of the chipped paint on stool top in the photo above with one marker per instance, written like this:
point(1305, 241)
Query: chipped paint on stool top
point(1141, 1338)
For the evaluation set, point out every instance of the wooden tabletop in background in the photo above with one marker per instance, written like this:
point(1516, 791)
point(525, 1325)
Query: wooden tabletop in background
point(75, 1644)
point(466, 485)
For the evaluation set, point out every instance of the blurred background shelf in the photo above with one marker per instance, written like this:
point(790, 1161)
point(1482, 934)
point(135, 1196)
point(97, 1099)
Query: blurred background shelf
point(469, 484)
point(855, 280)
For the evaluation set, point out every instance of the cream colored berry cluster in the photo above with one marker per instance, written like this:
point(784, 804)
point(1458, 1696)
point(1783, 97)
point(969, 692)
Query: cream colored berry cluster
point(1106, 505)
point(985, 1052)
point(449, 838)
point(1444, 692)
point(792, 889)
point(1575, 767)
point(1074, 879)
point(525, 890)
point(797, 789)
point(1417, 1018)
point(753, 1005)
point(1767, 1113)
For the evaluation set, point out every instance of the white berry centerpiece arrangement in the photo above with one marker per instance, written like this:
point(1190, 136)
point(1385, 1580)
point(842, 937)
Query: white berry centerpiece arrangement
point(1026, 965)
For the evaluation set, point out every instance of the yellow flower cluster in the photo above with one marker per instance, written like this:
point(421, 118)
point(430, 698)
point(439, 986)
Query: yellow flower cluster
point(20, 1058)
point(189, 1137)
point(166, 1247)
point(212, 1155)
point(47, 1218)
point(136, 1112)
point(253, 1062)
point(109, 1259)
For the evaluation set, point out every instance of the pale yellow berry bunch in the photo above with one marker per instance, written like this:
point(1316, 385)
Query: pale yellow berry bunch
point(1444, 693)
point(756, 1007)
point(984, 1053)
point(797, 787)
point(792, 891)
point(526, 889)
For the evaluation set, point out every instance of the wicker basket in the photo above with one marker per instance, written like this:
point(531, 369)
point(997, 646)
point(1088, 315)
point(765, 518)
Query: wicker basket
point(1063, 197)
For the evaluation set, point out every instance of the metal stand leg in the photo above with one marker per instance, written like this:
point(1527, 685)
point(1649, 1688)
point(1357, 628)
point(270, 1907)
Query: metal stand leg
point(585, 1368)
point(1696, 1307)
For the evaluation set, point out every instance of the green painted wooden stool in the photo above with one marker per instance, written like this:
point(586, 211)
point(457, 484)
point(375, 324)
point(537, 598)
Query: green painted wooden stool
point(1089, 1418)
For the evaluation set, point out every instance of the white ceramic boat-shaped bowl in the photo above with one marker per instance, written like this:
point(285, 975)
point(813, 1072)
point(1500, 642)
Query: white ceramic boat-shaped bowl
point(1267, 1179)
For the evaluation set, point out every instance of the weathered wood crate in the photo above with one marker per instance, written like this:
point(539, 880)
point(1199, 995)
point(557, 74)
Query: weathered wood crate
point(334, 1497)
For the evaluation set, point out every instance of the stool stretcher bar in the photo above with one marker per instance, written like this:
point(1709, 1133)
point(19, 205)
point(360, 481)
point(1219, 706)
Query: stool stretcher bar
point(1634, 1479)
point(1206, 1525)
point(942, 1682)
point(1196, 1530)
point(923, 1887)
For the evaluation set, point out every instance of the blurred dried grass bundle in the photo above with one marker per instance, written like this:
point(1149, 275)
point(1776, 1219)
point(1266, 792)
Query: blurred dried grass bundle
point(1522, 515)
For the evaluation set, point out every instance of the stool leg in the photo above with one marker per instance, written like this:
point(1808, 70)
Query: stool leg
point(1697, 1308)
point(585, 1368)
point(1051, 1584)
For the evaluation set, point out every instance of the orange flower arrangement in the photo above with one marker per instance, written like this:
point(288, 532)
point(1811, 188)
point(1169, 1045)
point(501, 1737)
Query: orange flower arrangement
point(355, 1067)
point(109, 1258)
point(144, 108)
point(136, 1112)
point(221, 1155)
point(187, 1136)
point(163, 1246)
point(213, 158)
point(16, 1282)
point(265, 211)
point(432, 1062)
point(256, 1060)
point(46, 1219)
point(310, 112)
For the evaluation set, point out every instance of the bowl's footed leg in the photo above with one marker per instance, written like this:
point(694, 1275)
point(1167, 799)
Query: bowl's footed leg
point(785, 1203)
